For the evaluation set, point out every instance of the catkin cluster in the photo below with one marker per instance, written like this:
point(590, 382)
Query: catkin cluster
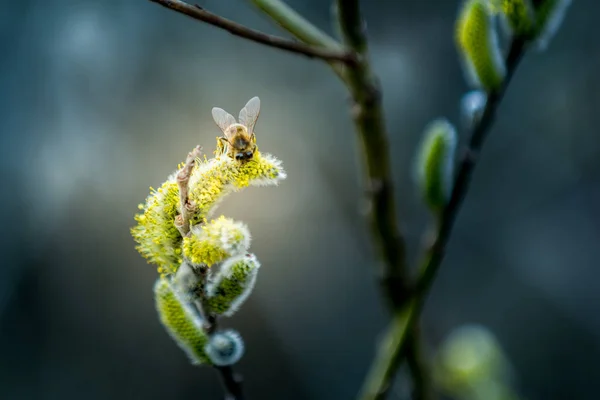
point(528, 22)
point(205, 267)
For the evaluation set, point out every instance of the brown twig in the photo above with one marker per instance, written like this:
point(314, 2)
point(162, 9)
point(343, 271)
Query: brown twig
point(236, 29)
point(186, 208)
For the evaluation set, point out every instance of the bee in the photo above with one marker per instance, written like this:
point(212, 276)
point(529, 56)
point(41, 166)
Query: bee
point(238, 140)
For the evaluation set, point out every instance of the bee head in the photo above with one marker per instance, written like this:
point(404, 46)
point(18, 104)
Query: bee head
point(246, 155)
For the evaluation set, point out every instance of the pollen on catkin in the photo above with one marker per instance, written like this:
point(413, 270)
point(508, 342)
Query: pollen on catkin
point(477, 40)
point(158, 239)
point(213, 242)
point(181, 322)
point(215, 178)
point(232, 285)
point(435, 163)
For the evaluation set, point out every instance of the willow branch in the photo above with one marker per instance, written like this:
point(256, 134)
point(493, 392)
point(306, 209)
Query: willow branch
point(398, 336)
point(200, 14)
point(367, 112)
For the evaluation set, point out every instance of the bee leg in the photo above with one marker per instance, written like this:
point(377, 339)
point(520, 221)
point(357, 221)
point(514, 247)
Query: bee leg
point(222, 146)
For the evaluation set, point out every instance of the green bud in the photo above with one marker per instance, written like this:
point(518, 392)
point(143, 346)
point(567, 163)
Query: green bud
point(477, 41)
point(181, 322)
point(435, 163)
point(471, 362)
point(232, 285)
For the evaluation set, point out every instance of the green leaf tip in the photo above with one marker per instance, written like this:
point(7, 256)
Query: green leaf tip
point(181, 322)
point(477, 41)
point(232, 284)
point(435, 163)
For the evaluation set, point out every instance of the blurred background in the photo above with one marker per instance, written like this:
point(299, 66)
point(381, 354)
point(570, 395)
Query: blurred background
point(102, 99)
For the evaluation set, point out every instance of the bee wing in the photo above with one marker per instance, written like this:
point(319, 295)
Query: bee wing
point(222, 118)
point(249, 114)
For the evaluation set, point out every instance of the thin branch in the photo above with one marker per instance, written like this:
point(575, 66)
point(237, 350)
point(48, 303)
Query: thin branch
point(416, 358)
point(186, 208)
point(398, 337)
point(232, 382)
point(291, 21)
point(370, 126)
point(368, 117)
point(197, 12)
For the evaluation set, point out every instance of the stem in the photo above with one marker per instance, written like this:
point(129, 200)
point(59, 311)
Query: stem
point(232, 383)
point(370, 127)
point(388, 359)
point(389, 355)
point(197, 12)
point(186, 208)
point(422, 387)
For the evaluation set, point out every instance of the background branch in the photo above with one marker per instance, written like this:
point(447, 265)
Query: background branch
point(398, 335)
point(327, 53)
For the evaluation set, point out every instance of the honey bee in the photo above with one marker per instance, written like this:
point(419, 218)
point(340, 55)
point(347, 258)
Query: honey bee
point(238, 140)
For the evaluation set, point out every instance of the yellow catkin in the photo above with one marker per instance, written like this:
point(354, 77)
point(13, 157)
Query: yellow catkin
point(158, 239)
